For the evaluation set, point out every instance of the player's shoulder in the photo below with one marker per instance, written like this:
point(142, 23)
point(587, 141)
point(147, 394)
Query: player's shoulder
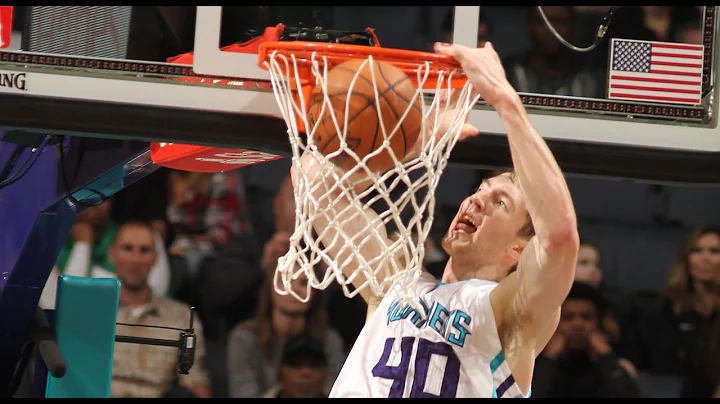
point(502, 295)
point(507, 286)
point(468, 294)
point(426, 279)
point(474, 291)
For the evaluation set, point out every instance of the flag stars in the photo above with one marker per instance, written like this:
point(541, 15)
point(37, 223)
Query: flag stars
point(632, 57)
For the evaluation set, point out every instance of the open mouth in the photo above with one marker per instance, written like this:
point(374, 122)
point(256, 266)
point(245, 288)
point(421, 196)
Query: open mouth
point(466, 224)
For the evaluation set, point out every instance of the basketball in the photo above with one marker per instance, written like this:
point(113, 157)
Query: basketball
point(364, 131)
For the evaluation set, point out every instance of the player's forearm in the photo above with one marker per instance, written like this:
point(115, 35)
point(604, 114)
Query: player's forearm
point(349, 234)
point(541, 180)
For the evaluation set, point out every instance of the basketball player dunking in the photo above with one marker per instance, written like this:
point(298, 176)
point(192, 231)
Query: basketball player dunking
point(484, 323)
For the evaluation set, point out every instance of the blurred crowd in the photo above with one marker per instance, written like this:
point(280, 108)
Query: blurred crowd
point(213, 243)
point(548, 66)
point(178, 239)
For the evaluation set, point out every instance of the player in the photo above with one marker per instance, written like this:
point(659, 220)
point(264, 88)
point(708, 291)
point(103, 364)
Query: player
point(485, 323)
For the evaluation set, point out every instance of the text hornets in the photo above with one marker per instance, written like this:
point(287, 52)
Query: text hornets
point(452, 325)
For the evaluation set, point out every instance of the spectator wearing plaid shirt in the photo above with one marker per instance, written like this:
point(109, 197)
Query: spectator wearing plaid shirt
point(148, 371)
point(205, 210)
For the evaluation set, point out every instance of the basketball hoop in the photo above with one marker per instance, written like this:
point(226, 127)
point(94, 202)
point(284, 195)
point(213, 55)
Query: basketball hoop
point(296, 68)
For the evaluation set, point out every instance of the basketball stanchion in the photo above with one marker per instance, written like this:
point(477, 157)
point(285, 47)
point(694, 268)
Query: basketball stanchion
point(211, 159)
point(360, 132)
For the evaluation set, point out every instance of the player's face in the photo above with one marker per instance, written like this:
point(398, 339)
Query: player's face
point(488, 221)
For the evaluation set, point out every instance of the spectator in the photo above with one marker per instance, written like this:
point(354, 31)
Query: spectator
point(303, 370)
point(254, 346)
point(549, 67)
point(145, 200)
point(646, 23)
point(85, 253)
point(690, 32)
point(660, 22)
point(205, 211)
point(673, 329)
point(704, 376)
point(578, 361)
point(589, 271)
point(231, 288)
point(704, 367)
point(144, 370)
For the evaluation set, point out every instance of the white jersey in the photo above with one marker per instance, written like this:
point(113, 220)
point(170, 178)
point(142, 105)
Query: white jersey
point(454, 352)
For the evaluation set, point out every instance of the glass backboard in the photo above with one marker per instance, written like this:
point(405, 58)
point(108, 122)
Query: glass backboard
point(648, 85)
point(639, 104)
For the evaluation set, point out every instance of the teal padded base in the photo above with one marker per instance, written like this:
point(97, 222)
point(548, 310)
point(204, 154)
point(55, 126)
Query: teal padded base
point(85, 316)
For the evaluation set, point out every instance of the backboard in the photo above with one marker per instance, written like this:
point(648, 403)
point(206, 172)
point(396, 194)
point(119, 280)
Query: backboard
point(106, 67)
point(100, 79)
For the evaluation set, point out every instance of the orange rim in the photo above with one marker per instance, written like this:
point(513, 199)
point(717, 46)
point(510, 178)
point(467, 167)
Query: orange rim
point(410, 62)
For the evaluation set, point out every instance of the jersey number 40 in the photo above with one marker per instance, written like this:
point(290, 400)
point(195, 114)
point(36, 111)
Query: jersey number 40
point(425, 350)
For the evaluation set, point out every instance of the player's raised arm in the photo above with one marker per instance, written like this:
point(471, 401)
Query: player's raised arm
point(344, 225)
point(546, 268)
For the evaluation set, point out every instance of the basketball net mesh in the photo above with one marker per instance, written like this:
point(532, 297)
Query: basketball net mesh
point(356, 219)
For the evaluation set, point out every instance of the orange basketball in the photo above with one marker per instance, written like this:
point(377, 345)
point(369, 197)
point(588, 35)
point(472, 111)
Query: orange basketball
point(364, 132)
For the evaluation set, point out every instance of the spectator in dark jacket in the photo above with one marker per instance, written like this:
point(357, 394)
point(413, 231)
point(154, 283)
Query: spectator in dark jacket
point(578, 361)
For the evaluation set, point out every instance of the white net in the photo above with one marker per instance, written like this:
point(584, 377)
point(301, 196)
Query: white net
point(363, 229)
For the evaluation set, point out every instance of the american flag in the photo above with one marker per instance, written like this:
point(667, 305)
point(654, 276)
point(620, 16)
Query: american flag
point(655, 71)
